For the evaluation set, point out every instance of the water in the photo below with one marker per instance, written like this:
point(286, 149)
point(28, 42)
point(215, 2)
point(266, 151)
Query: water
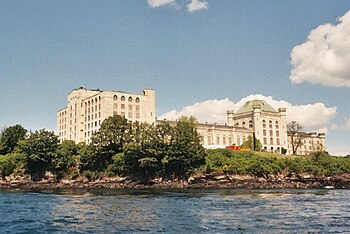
point(175, 211)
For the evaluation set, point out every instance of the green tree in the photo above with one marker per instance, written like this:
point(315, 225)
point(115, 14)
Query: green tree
point(9, 138)
point(9, 163)
point(253, 145)
point(185, 151)
point(113, 134)
point(65, 158)
point(39, 150)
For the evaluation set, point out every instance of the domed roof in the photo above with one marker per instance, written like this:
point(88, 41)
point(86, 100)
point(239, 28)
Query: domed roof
point(248, 107)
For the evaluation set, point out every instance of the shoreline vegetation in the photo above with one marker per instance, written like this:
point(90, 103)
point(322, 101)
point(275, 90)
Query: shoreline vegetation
point(137, 155)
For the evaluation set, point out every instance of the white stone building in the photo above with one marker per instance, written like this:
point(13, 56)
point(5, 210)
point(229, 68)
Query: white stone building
point(310, 142)
point(87, 108)
point(267, 124)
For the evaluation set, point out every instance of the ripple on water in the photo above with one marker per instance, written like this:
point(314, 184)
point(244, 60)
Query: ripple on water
point(196, 211)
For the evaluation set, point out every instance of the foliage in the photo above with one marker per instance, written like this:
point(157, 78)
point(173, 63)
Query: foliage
point(185, 151)
point(65, 158)
point(113, 134)
point(39, 150)
point(9, 162)
point(252, 143)
point(10, 137)
point(318, 164)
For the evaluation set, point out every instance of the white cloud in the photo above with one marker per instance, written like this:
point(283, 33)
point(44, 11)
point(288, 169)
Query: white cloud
point(196, 5)
point(347, 124)
point(313, 117)
point(159, 3)
point(325, 57)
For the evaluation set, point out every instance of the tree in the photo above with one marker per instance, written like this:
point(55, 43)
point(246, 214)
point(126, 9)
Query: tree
point(185, 151)
point(294, 129)
point(113, 134)
point(39, 150)
point(64, 159)
point(252, 143)
point(10, 137)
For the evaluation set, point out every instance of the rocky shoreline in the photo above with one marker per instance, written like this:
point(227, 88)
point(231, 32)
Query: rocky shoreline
point(212, 180)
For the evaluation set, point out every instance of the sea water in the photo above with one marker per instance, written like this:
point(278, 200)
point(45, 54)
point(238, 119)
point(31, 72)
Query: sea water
point(175, 211)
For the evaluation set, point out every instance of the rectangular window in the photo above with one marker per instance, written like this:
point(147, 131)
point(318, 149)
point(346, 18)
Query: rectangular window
point(278, 141)
point(264, 132)
point(277, 133)
point(122, 106)
point(271, 133)
point(271, 141)
point(137, 115)
point(265, 141)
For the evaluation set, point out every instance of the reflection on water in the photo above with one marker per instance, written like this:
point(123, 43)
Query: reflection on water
point(196, 211)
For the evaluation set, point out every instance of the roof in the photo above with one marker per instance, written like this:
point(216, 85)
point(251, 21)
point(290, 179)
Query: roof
point(248, 107)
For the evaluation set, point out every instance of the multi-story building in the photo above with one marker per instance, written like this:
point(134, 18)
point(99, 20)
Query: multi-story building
point(309, 142)
point(266, 123)
point(87, 108)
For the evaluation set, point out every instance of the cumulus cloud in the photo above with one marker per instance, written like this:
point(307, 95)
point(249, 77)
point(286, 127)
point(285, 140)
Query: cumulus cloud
point(347, 124)
point(211, 111)
point(325, 57)
point(313, 117)
point(196, 5)
point(159, 3)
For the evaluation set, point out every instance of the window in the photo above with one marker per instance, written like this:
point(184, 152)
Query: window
point(238, 141)
point(250, 124)
point(270, 124)
point(209, 140)
point(243, 124)
point(264, 132)
point(114, 113)
point(122, 114)
point(277, 133)
point(137, 115)
point(115, 98)
point(277, 125)
point(130, 99)
point(271, 133)
point(271, 141)
point(264, 123)
point(278, 141)
point(218, 140)
point(224, 139)
point(230, 140)
point(137, 100)
point(265, 141)
point(122, 106)
point(122, 98)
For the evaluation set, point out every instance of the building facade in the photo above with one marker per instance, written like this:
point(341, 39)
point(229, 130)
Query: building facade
point(267, 123)
point(87, 108)
point(310, 142)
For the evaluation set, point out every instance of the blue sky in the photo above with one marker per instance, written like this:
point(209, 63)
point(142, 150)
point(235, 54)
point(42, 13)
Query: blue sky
point(199, 56)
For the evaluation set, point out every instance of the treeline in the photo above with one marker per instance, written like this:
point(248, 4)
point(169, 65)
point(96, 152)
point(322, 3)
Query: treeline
point(118, 148)
point(317, 163)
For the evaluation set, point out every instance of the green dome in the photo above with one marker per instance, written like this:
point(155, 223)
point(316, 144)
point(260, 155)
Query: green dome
point(248, 107)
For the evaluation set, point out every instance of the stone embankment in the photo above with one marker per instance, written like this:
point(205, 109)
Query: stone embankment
point(212, 180)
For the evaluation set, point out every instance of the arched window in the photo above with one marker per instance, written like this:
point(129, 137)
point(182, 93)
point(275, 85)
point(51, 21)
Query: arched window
point(243, 124)
point(130, 99)
point(122, 98)
point(264, 123)
point(224, 139)
point(115, 98)
point(250, 123)
point(237, 124)
point(95, 99)
point(270, 124)
point(137, 100)
point(277, 125)
point(238, 140)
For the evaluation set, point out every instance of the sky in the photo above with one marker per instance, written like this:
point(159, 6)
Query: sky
point(201, 56)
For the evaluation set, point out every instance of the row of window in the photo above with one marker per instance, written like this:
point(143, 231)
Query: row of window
point(271, 141)
point(271, 133)
point(122, 98)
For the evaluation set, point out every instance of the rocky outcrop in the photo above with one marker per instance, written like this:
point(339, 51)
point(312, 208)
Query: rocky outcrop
point(212, 180)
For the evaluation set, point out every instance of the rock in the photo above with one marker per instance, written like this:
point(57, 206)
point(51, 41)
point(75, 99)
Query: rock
point(261, 180)
point(220, 177)
point(224, 181)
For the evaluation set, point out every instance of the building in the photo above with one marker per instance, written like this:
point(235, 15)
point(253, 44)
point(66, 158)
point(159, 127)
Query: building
point(267, 123)
point(310, 142)
point(87, 108)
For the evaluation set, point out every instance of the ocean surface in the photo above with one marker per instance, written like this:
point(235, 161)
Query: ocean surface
point(175, 211)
